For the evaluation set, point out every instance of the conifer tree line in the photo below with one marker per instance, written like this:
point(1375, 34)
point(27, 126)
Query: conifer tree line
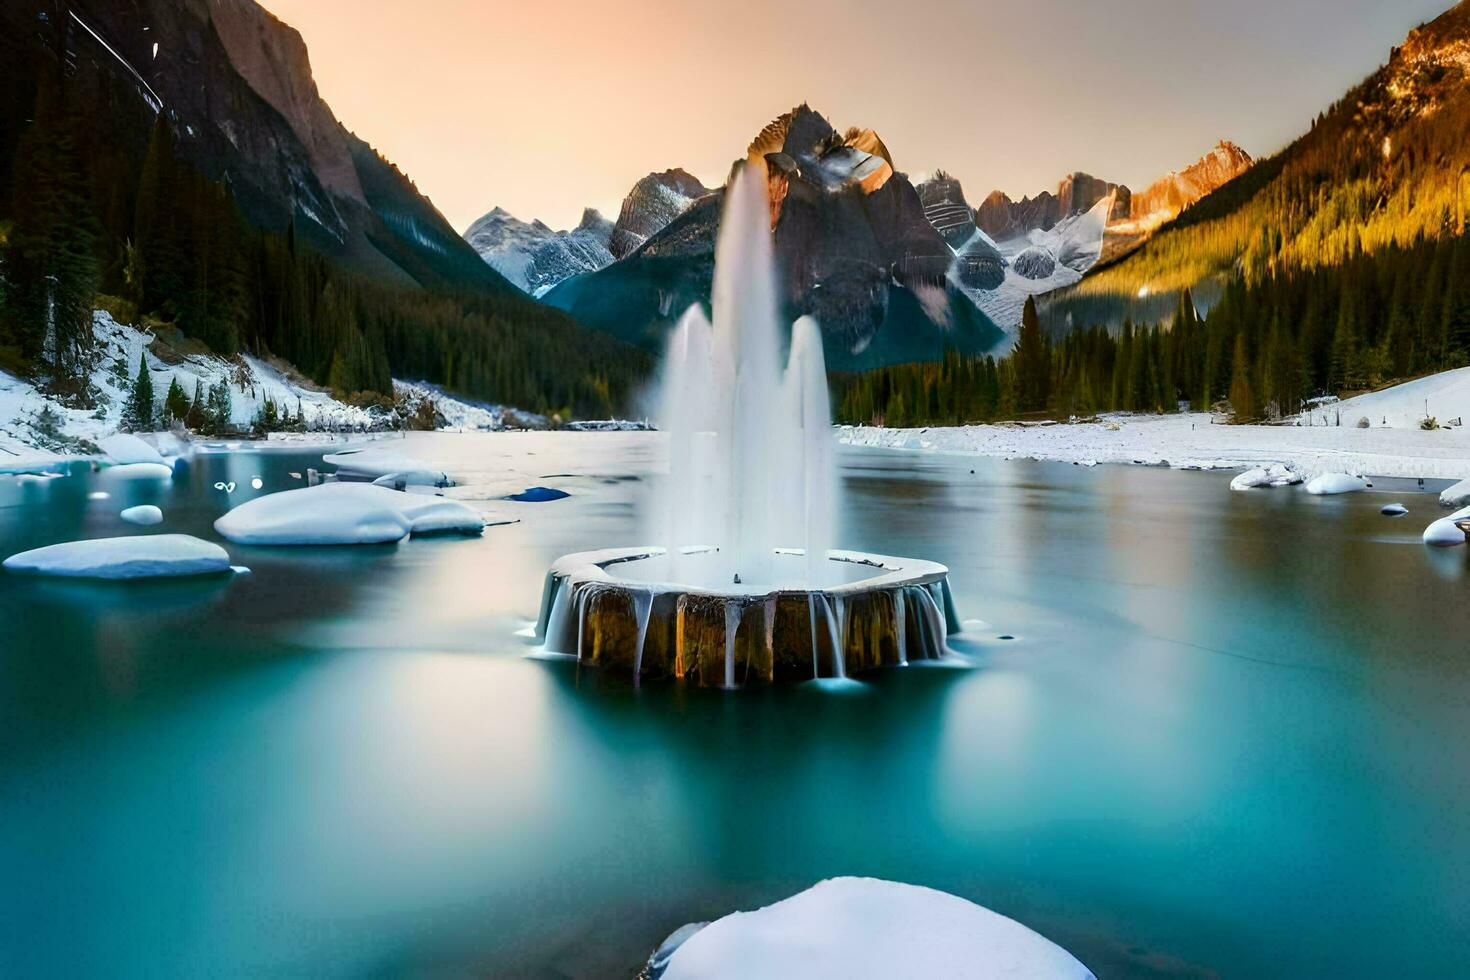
point(79, 220)
point(1263, 350)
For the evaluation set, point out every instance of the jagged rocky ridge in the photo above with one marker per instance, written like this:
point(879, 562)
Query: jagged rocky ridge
point(853, 248)
point(536, 258)
point(533, 256)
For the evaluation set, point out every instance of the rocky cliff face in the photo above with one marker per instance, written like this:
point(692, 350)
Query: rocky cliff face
point(651, 205)
point(235, 86)
point(1172, 193)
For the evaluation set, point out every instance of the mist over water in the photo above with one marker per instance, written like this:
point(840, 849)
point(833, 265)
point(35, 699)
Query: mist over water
point(749, 431)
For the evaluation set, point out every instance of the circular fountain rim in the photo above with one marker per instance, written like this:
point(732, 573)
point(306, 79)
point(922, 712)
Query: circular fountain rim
point(891, 572)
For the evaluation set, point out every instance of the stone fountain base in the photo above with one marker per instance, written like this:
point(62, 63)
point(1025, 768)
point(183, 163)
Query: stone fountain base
point(900, 613)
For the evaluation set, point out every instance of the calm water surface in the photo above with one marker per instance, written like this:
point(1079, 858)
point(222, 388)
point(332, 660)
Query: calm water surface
point(1230, 738)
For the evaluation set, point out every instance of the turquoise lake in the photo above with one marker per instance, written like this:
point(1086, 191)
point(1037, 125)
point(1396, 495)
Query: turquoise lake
point(1230, 736)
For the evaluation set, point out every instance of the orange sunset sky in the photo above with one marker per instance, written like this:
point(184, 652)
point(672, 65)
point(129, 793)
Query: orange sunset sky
point(544, 107)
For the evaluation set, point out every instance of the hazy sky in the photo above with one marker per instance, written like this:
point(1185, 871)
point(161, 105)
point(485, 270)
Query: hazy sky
point(544, 106)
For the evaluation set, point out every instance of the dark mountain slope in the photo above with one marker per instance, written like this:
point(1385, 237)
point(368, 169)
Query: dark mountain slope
point(1386, 166)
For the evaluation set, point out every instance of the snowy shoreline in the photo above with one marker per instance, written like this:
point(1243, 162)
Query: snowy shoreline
point(1194, 441)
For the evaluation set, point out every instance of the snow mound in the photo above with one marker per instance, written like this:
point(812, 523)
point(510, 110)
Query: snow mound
point(1455, 496)
point(1278, 475)
point(1330, 483)
point(850, 928)
point(1393, 510)
point(142, 514)
point(148, 556)
point(1443, 533)
point(343, 513)
point(125, 448)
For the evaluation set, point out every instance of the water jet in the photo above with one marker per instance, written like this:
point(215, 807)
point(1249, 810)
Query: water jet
point(743, 586)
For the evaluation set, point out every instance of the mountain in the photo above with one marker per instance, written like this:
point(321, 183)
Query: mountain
point(651, 205)
point(1162, 200)
point(1008, 250)
point(235, 83)
point(532, 256)
point(176, 158)
point(853, 248)
point(1383, 168)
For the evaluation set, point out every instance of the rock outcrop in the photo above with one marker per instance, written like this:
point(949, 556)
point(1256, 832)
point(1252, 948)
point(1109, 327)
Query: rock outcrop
point(1172, 193)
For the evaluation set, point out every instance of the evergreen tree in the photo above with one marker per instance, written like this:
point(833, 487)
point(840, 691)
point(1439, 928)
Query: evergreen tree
point(1032, 362)
point(50, 257)
point(175, 402)
point(1242, 391)
point(196, 418)
point(139, 413)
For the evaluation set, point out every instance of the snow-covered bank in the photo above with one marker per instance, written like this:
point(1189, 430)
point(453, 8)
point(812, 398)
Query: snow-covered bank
point(1444, 397)
point(1193, 441)
point(36, 431)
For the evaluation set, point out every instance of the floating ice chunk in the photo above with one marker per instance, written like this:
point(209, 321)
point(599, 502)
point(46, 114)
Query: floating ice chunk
point(343, 513)
point(142, 514)
point(1393, 510)
point(98, 495)
point(1276, 475)
point(1443, 533)
point(1457, 495)
point(124, 448)
point(862, 927)
point(1330, 483)
point(146, 556)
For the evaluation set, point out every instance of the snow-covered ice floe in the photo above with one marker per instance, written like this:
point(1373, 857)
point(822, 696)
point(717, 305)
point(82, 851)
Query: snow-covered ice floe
point(1331, 483)
point(145, 556)
point(1443, 533)
point(344, 513)
point(142, 514)
point(1393, 510)
point(854, 928)
point(1278, 475)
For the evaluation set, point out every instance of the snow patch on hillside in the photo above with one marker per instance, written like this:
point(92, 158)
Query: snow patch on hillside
point(1444, 397)
point(37, 431)
point(1051, 259)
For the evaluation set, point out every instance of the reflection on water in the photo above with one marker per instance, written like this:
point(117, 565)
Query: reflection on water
point(1229, 738)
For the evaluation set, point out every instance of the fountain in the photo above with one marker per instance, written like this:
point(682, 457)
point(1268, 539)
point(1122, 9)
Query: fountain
point(744, 587)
